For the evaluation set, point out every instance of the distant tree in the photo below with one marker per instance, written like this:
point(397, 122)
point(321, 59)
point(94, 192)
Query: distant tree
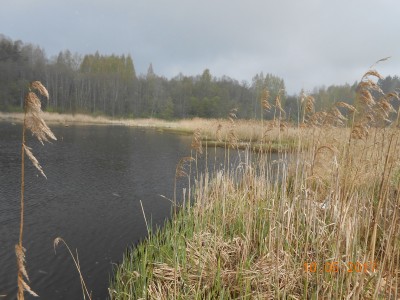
point(150, 72)
point(167, 109)
point(109, 85)
point(389, 84)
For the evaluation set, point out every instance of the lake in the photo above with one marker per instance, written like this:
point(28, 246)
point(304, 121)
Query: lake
point(96, 177)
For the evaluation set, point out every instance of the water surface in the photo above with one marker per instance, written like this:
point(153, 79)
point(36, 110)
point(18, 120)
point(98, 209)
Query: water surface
point(96, 177)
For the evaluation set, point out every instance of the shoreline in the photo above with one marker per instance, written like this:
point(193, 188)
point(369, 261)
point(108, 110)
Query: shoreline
point(213, 132)
point(178, 126)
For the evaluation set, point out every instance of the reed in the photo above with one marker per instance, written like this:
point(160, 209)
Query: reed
point(34, 122)
point(320, 220)
point(85, 291)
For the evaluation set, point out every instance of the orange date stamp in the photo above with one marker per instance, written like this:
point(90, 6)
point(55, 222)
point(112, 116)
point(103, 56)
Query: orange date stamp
point(335, 267)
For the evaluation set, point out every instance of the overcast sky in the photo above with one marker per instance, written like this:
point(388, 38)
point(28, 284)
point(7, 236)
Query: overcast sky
point(306, 42)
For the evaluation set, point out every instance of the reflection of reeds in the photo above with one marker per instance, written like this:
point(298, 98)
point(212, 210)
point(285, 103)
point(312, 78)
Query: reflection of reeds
point(35, 123)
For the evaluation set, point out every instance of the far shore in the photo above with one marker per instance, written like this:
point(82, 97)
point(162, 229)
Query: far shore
point(81, 119)
point(215, 132)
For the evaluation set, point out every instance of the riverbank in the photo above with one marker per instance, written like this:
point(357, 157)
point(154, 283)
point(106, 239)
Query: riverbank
point(241, 134)
point(303, 226)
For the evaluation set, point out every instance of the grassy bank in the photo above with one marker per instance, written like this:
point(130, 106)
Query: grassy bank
point(321, 221)
point(324, 224)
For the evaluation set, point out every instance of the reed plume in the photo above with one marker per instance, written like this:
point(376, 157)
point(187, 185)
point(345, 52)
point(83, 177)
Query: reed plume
point(218, 133)
point(264, 100)
point(232, 137)
point(35, 123)
point(350, 107)
point(374, 106)
point(278, 103)
point(232, 115)
point(307, 102)
point(196, 142)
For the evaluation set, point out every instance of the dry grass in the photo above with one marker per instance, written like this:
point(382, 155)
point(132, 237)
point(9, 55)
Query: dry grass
point(34, 122)
point(65, 119)
point(216, 132)
point(85, 292)
point(257, 230)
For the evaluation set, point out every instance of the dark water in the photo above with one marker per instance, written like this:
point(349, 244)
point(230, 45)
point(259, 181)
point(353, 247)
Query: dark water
point(96, 177)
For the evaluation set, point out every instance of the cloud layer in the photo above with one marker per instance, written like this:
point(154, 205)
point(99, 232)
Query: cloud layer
point(308, 43)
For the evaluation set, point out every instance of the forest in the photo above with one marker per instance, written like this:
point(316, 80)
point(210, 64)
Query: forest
point(108, 85)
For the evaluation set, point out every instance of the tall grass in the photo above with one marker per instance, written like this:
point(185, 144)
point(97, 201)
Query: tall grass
point(321, 221)
point(34, 122)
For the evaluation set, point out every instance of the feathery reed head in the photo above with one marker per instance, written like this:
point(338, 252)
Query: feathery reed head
point(232, 138)
point(22, 285)
point(34, 121)
point(232, 115)
point(278, 103)
point(309, 104)
point(180, 168)
point(337, 114)
point(56, 241)
point(350, 107)
point(265, 100)
point(37, 85)
point(372, 73)
point(218, 133)
point(359, 132)
point(196, 141)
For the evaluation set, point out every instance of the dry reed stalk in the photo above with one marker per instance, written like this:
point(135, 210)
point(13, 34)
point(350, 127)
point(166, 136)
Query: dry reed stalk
point(218, 133)
point(278, 103)
point(232, 139)
point(265, 100)
point(180, 168)
point(232, 136)
point(251, 232)
point(232, 115)
point(85, 291)
point(307, 102)
point(318, 119)
point(34, 122)
point(360, 132)
point(196, 141)
point(181, 172)
point(350, 107)
point(337, 115)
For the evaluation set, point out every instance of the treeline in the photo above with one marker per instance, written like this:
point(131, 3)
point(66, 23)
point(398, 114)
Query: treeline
point(108, 85)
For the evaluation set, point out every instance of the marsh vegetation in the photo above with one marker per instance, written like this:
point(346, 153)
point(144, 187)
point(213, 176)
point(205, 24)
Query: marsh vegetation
point(321, 221)
point(319, 218)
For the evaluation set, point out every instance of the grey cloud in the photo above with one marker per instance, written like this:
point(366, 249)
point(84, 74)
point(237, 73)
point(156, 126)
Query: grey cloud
point(308, 43)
